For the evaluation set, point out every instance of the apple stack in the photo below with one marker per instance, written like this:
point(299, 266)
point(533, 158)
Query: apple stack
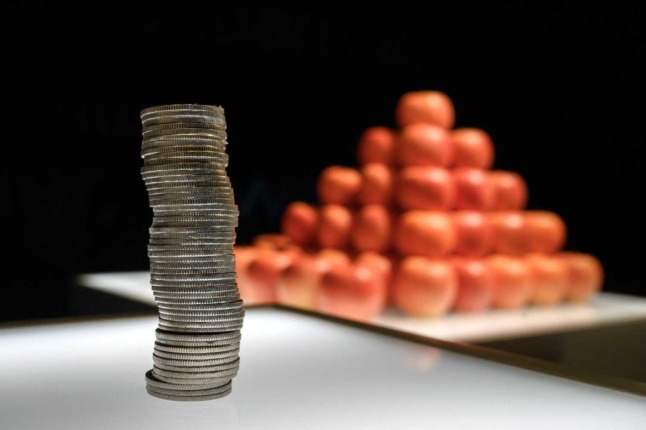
point(424, 224)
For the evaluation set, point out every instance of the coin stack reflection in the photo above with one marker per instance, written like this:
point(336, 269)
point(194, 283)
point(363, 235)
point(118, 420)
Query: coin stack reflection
point(192, 266)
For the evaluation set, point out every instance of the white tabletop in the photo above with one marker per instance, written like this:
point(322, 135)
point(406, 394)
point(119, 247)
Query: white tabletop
point(296, 372)
point(482, 327)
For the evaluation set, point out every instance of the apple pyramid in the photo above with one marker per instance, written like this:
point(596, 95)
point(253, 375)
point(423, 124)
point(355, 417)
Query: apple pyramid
point(424, 224)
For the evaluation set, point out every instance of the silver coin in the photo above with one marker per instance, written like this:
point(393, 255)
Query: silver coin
point(197, 383)
point(224, 248)
point(183, 308)
point(217, 164)
point(185, 150)
point(170, 127)
point(198, 144)
point(195, 391)
point(169, 292)
point(153, 381)
point(224, 370)
point(197, 357)
point(229, 368)
point(182, 117)
point(219, 185)
point(172, 109)
point(175, 398)
point(188, 377)
point(195, 274)
point(167, 313)
point(214, 301)
point(215, 318)
point(163, 335)
point(197, 349)
point(216, 243)
point(211, 326)
point(185, 139)
point(178, 132)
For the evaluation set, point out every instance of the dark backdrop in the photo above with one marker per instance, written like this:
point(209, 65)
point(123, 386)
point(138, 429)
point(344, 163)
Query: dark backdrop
point(558, 85)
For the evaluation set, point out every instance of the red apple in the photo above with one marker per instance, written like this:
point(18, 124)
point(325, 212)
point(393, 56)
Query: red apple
point(299, 282)
point(423, 187)
point(424, 145)
point(475, 285)
point(585, 275)
point(352, 292)
point(376, 184)
point(545, 231)
point(509, 229)
point(549, 278)
point(244, 254)
point(263, 275)
point(512, 280)
point(371, 229)
point(275, 241)
point(328, 258)
point(429, 107)
point(424, 287)
point(376, 145)
point(383, 265)
point(300, 223)
point(335, 225)
point(473, 148)
point(474, 232)
point(473, 190)
point(426, 233)
point(338, 184)
point(509, 190)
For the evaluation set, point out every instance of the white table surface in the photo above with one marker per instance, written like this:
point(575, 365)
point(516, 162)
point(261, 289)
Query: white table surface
point(296, 372)
point(482, 327)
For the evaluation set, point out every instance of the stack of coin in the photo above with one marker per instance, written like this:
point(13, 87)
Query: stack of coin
point(192, 266)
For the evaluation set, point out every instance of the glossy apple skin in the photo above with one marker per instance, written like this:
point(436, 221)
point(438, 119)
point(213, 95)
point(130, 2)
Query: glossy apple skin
point(549, 279)
point(424, 188)
point(474, 233)
point(372, 229)
point(512, 281)
point(300, 223)
point(424, 287)
point(338, 184)
point(353, 292)
point(377, 145)
point(428, 107)
point(585, 275)
point(335, 226)
point(299, 282)
point(424, 145)
point(509, 229)
point(425, 233)
point(473, 190)
point(473, 148)
point(263, 275)
point(376, 184)
point(383, 265)
point(475, 285)
point(509, 190)
point(545, 231)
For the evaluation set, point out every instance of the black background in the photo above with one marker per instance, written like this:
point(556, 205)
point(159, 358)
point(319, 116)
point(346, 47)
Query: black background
point(558, 85)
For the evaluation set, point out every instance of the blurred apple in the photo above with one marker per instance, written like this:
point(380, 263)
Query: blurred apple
point(475, 285)
point(426, 233)
point(424, 145)
point(424, 287)
point(353, 292)
point(335, 226)
point(509, 190)
point(243, 256)
point(474, 233)
point(300, 223)
point(585, 275)
point(424, 187)
point(382, 265)
point(376, 184)
point(430, 107)
point(376, 145)
point(298, 282)
point(371, 229)
point(509, 232)
point(473, 190)
point(549, 279)
point(545, 231)
point(473, 148)
point(512, 281)
point(263, 275)
point(275, 241)
point(338, 184)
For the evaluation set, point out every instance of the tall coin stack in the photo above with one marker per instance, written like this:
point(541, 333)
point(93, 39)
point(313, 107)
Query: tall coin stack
point(192, 266)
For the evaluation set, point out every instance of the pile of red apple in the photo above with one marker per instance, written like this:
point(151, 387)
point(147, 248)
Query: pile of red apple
point(424, 225)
